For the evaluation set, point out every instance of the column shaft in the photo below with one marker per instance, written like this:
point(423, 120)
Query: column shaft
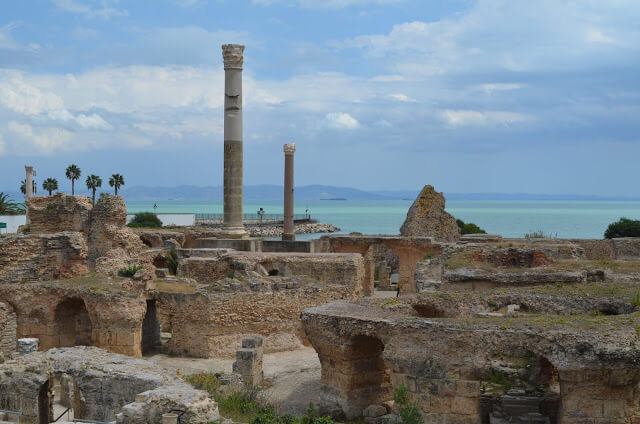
point(289, 230)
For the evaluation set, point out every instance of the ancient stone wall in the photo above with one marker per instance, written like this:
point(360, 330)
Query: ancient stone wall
point(213, 321)
point(448, 365)
point(8, 330)
point(42, 257)
point(82, 313)
point(106, 386)
point(427, 218)
point(58, 213)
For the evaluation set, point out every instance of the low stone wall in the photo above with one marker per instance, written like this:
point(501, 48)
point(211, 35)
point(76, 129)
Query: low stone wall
point(105, 386)
point(211, 321)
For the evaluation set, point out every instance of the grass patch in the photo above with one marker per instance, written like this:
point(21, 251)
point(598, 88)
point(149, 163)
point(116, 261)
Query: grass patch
point(175, 287)
point(129, 271)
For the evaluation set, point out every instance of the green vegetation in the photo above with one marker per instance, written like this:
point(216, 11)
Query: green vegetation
point(93, 183)
point(10, 207)
point(49, 185)
point(428, 256)
point(247, 404)
point(408, 410)
point(469, 228)
point(145, 220)
point(23, 186)
point(636, 300)
point(355, 233)
point(376, 273)
point(73, 173)
point(129, 271)
point(539, 234)
point(172, 261)
point(625, 227)
point(116, 181)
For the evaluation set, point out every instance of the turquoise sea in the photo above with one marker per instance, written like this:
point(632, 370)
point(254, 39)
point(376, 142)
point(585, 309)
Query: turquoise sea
point(509, 218)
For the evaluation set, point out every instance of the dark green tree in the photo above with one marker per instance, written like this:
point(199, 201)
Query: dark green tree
point(93, 183)
point(50, 184)
point(116, 181)
point(73, 173)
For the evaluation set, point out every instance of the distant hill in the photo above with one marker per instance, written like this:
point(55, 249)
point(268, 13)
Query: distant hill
point(269, 192)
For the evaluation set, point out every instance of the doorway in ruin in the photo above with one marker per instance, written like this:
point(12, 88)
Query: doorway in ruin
point(151, 336)
point(386, 267)
point(45, 410)
point(371, 378)
point(72, 323)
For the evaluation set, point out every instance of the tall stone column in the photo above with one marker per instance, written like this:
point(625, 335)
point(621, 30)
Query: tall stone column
point(289, 231)
point(232, 54)
point(28, 182)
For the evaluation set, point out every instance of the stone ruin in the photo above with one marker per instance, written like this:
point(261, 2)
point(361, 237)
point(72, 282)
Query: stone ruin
point(98, 386)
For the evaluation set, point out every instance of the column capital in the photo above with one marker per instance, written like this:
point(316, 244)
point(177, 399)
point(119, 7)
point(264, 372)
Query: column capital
point(232, 55)
point(289, 148)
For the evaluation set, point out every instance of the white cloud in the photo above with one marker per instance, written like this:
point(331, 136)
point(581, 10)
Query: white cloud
point(341, 121)
point(594, 35)
point(92, 122)
point(7, 42)
point(89, 10)
point(383, 123)
point(489, 88)
point(401, 98)
point(327, 4)
point(45, 141)
point(460, 118)
point(22, 97)
point(387, 78)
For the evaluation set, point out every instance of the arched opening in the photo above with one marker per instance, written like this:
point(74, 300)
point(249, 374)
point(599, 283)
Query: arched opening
point(151, 336)
point(72, 323)
point(273, 273)
point(386, 267)
point(521, 388)
point(8, 328)
point(369, 379)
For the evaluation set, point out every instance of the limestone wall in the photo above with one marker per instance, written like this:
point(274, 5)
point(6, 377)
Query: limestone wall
point(42, 257)
point(8, 330)
point(57, 213)
point(213, 321)
point(114, 318)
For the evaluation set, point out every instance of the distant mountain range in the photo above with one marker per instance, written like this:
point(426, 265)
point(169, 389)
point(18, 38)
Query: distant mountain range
point(321, 192)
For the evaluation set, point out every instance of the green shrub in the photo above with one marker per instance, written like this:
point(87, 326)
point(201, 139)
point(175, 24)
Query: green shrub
point(469, 228)
point(408, 410)
point(145, 220)
point(625, 227)
point(206, 381)
point(355, 233)
point(636, 300)
point(172, 262)
point(129, 271)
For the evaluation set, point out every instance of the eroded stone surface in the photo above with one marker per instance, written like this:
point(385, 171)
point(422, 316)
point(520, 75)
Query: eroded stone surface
point(427, 218)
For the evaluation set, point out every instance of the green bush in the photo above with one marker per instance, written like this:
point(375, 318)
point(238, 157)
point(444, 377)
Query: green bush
point(636, 300)
point(408, 411)
point(625, 227)
point(145, 220)
point(129, 271)
point(539, 234)
point(469, 228)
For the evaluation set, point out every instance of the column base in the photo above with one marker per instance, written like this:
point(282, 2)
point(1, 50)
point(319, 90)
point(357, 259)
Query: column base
point(288, 237)
point(234, 233)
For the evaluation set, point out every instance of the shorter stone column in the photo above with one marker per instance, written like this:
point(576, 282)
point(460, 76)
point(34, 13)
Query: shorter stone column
point(27, 345)
point(289, 232)
point(249, 361)
point(28, 182)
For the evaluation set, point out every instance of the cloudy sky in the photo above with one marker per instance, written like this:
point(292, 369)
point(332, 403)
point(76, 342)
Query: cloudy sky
point(471, 96)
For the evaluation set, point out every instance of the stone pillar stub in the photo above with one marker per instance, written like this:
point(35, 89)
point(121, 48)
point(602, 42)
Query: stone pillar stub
point(27, 345)
point(232, 55)
point(289, 232)
point(28, 182)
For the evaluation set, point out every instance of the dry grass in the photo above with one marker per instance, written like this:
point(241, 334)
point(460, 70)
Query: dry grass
point(175, 287)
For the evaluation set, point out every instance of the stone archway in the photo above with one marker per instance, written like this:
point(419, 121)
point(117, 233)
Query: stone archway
point(72, 323)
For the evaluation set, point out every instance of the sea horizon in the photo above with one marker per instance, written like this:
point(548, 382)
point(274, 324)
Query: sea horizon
point(508, 218)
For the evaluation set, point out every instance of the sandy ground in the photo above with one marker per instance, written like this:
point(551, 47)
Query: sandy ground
point(294, 375)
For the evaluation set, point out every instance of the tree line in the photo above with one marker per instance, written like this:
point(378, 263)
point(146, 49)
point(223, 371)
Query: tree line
point(73, 173)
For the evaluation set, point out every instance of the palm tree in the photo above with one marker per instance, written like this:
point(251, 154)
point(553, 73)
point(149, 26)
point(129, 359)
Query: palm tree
point(9, 207)
point(23, 187)
point(50, 184)
point(73, 173)
point(94, 182)
point(116, 181)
